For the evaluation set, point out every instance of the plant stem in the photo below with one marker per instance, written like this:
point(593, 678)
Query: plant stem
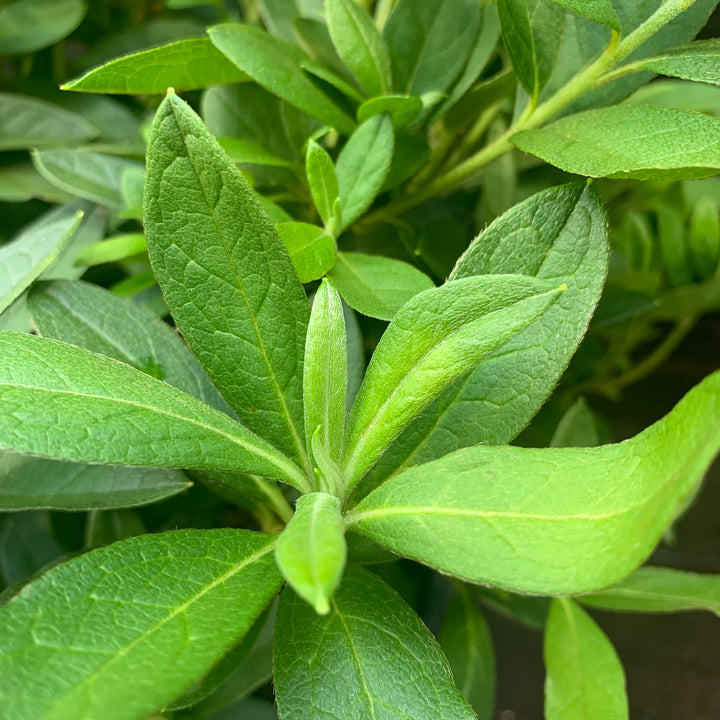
point(593, 76)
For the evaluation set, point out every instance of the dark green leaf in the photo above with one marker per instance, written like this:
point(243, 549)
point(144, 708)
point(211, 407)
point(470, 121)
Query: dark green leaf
point(578, 427)
point(29, 25)
point(402, 109)
point(704, 238)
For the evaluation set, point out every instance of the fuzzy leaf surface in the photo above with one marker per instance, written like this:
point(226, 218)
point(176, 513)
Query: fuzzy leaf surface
point(206, 229)
point(119, 632)
point(527, 519)
point(355, 663)
point(312, 250)
point(322, 180)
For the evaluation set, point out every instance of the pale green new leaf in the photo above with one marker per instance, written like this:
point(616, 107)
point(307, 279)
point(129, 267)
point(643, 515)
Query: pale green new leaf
point(118, 633)
point(113, 249)
point(311, 550)
point(278, 67)
point(325, 371)
point(88, 175)
point(585, 679)
point(206, 228)
point(38, 484)
point(430, 43)
point(363, 165)
point(28, 122)
point(183, 65)
point(376, 286)
point(29, 25)
point(433, 340)
point(601, 11)
point(560, 235)
point(659, 590)
point(64, 402)
point(348, 663)
point(467, 644)
point(528, 519)
point(629, 141)
point(323, 183)
point(360, 45)
point(312, 249)
point(26, 256)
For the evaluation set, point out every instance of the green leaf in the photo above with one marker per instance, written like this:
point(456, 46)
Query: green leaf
point(659, 590)
point(622, 142)
point(113, 249)
point(36, 484)
point(360, 45)
point(376, 286)
point(323, 184)
point(355, 356)
point(704, 238)
point(325, 378)
point(278, 67)
point(601, 11)
point(88, 175)
point(279, 17)
point(30, 25)
point(99, 636)
point(91, 317)
point(673, 250)
point(402, 109)
point(368, 640)
point(31, 252)
point(312, 250)
point(430, 43)
point(21, 181)
point(363, 166)
point(246, 151)
point(697, 61)
point(578, 427)
point(434, 339)
point(528, 519)
point(27, 122)
point(585, 679)
point(205, 226)
point(467, 644)
point(183, 65)
point(311, 550)
point(64, 402)
point(527, 610)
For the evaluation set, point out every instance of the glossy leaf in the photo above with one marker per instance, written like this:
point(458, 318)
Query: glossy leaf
point(363, 166)
point(601, 11)
point(347, 663)
point(183, 65)
point(278, 67)
point(311, 550)
point(323, 184)
point(205, 226)
point(528, 519)
point(585, 679)
point(100, 636)
point(64, 402)
point(34, 484)
point(429, 43)
point(560, 235)
point(622, 142)
point(659, 590)
point(467, 644)
point(29, 25)
point(31, 252)
point(88, 175)
point(360, 45)
point(434, 339)
point(376, 286)
point(325, 377)
point(27, 122)
point(312, 250)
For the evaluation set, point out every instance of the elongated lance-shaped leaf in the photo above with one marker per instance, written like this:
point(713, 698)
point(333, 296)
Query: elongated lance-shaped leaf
point(29, 25)
point(184, 65)
point(585, 679)
point(435, 338)
point(325, 371)
point(659, 590)
point(559, 234)
point(64, 402)
point(696, 61)
point(323, 183)
point(120, 632)
point(25, 257)
point(601, 11)
point(529, 519)
point(347, 663)
point(311, 551)
point(360, 45)
point(226, 276)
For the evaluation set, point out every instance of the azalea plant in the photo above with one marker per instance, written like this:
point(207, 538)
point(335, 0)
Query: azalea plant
point(246, 487)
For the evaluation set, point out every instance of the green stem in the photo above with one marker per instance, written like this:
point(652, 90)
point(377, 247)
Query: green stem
point(593, 76)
